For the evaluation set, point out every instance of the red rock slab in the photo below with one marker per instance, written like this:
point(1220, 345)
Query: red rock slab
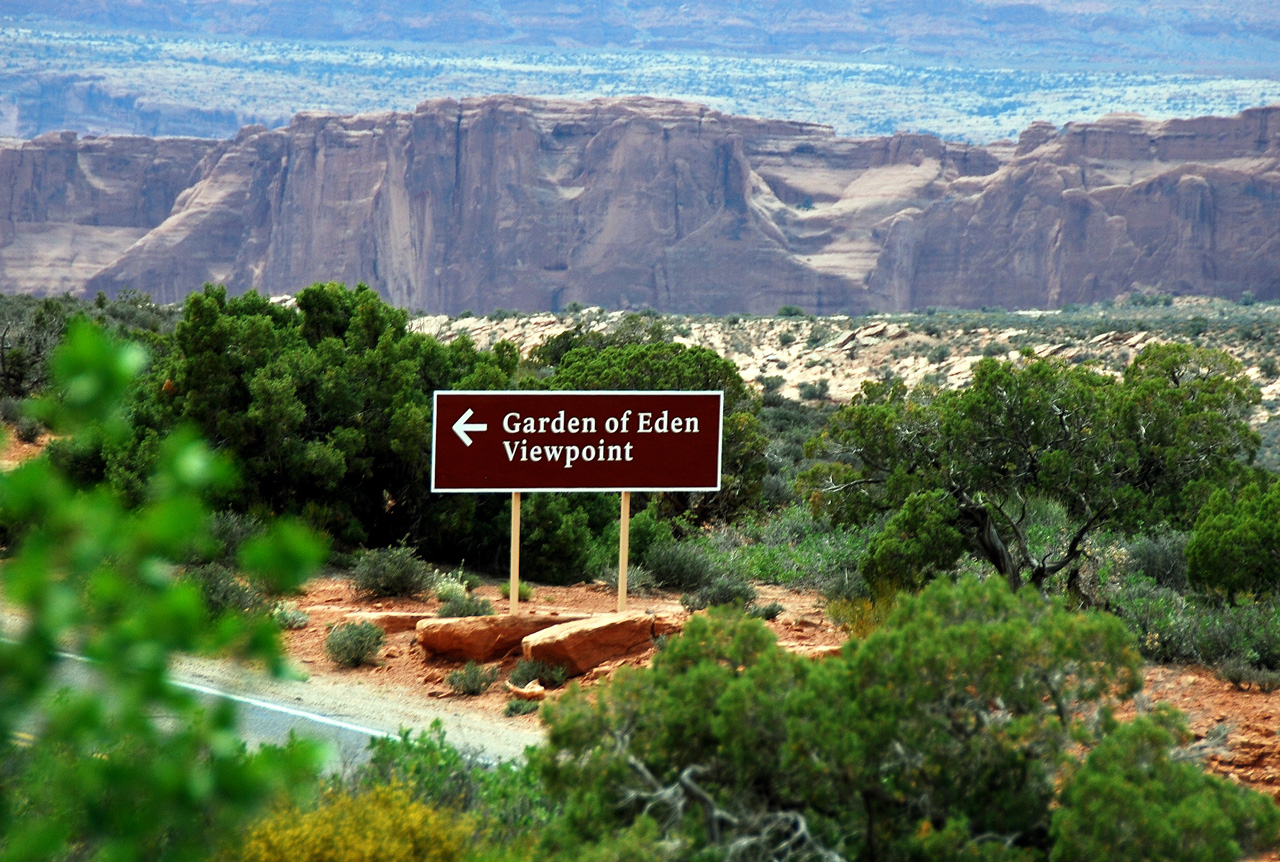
point(581, 645)
point(482, 638)
point(390, 622)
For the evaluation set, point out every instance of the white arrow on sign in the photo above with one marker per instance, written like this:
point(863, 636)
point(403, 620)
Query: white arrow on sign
point(461, 427)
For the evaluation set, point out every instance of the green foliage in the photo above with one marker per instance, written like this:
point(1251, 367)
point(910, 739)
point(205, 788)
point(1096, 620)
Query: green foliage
point(1137, 451)
point(950, 723)
point(647, 529)
point(680, 566)
point(665, 366)
point(786, 339)
point(353, 644)
point(383, 572)
point(524, 592)
point(382, 824)
point(326, 408)
point(1132, 801)
point(917, 541)
point(1236, 543)
point(1245, 676)
point(550, 675)
point(555, 539)
point(1160, 556)
point(515, 706)
point(790, 311)
point(453, 604)
point(131, 768)
point(506, 800)
point(1171, 627)
point(723, 589)
point(223, 591)
point(765, 612)
point(28, 429)
point(288, 615)
point(472, 679)
point(1268, 367)
point(814, 391)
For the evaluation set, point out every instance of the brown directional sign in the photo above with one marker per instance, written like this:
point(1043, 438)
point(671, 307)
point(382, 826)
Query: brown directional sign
point(576, 441)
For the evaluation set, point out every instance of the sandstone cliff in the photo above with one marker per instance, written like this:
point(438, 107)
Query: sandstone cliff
point(70, 206)
point(533, 204)
point(527, 204)
point(1098, 209)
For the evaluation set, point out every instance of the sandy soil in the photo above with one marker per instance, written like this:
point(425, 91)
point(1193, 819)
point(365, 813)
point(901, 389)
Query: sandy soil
point(402, 664)
point(1252, 755)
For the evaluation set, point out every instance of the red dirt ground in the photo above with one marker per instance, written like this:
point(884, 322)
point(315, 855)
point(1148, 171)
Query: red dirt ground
point(1252, 718)
point(402, 662)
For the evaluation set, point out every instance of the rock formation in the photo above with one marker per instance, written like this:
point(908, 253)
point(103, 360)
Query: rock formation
point(1099, 209)
point(533, 204)
point(70, 206)
point(518, 203)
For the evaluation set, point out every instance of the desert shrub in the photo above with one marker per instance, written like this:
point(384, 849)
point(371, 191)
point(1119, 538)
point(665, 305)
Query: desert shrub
point(1268, 367)
point(1195, 326)
point(1194, 628)
point(765, 612)
point(777, 491)
point(1160, 556)
point(814, 391)
point(1132, 801)
point(10, 409)
point(231, 531)
point(524, 592)
point(506, 800)
point(288, 615)
point(786, 339)
point(464, 605)
point(353, 644)
point(474, 678)
point(382, 824)
point(680, 566)
point(383, 572)
point(223, 590)
point(28, 429)
point(961, 718)
point(550, 675)
point(1245, 676)
point(938, 354)
point(859, 617)
point(790, 311)
point(724, 589)
point(640, 581)
point(771, 383)
point(515, 706)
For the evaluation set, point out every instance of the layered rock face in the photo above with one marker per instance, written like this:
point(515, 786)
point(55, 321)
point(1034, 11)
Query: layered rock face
point(532, 204)
point(526, 204)
point(70, 206)
point(1099, 209)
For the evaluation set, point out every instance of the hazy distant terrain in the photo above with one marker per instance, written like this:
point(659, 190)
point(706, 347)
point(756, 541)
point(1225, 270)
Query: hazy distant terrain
point(974, 71)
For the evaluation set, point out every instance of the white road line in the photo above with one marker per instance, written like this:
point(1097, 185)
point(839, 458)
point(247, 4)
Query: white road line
point(261, 704)
point(286, 710)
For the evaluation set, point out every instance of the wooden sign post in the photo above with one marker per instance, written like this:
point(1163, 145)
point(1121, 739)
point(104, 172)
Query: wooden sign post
point(520, 441)
point(515, 550)
point(624, 549)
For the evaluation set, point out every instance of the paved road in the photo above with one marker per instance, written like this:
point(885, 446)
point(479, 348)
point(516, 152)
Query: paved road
point(343, 715)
